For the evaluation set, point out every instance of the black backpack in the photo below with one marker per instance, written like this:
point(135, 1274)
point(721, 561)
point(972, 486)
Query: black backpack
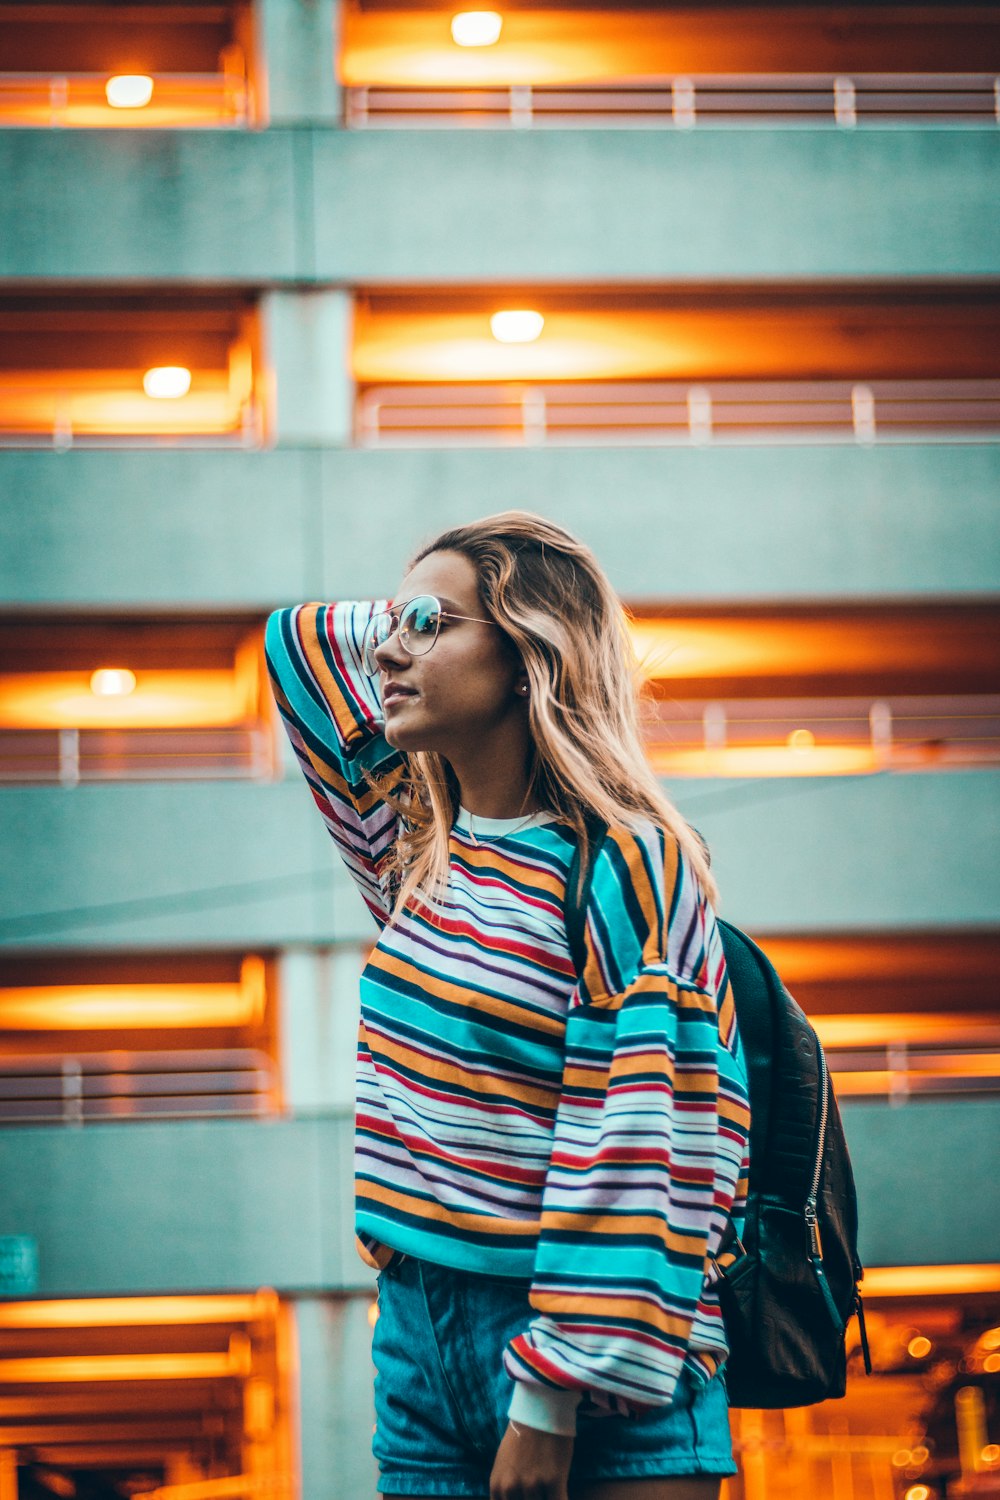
point(788, 1289)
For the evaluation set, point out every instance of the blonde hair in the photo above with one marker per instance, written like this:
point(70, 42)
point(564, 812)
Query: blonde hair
point(550, 596)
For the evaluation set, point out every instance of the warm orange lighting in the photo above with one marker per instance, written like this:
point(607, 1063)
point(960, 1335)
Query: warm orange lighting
point(991, 1364)
point(133, 1312)
point(801, 739)
point(112, 1007)
point(919, 1347)
point(112, 682)
point(230, 1487)
point(991, 1454)
point(917, 1492)
point(931, 1281)
point(991, 1339)
point(517, 326)
point(913, 1028)
point(167, 382)
point(129, 91)
point(372, 1314)
point(762, 760)
point(165, 699)
point(43, 1370)
point(476, 28)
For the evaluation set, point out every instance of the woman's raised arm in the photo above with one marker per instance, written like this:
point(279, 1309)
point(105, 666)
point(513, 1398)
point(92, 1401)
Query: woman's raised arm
point(332, 714)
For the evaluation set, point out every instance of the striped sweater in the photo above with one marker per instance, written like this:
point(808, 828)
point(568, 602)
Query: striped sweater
point(587, 1133)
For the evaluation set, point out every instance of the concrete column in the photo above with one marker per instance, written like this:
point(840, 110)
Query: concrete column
point(307, 337)
point(298, 44)
point(335, 1397)
point(319, 1026)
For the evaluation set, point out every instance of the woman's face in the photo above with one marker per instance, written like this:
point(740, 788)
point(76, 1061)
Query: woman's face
point(454, 698)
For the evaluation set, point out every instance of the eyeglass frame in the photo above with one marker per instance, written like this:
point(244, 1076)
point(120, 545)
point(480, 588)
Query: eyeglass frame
point(387, 614)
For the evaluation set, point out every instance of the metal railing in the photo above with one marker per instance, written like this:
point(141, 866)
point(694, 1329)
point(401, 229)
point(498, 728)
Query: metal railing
point(659, 412)
point(73, 417)
point(899, 1071)
point(71, 756)
point(187, 100)
point(74, 1089)
point(683, 102)
point(900, 732)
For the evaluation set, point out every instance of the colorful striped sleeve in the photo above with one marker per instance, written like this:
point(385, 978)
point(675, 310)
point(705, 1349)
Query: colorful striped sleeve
point(333, 717)
point(651, 1144)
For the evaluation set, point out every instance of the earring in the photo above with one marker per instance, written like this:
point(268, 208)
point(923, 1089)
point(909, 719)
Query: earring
point(523, 689)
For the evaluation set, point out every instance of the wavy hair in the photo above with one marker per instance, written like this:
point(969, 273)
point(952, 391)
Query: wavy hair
point(549, 595)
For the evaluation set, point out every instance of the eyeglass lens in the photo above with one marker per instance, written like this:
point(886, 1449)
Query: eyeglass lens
point(417, 622)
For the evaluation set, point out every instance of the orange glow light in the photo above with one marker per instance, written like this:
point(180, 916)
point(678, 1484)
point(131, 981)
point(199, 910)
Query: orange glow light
point(43, 1370)
point(133, 1312)
point(104, 1007)
point(129, 91)
point(517, 326)
point(931, 1281)
point(81, 101)
point(763, 760)
point(476, 28)
point(164, 699)
point(875, 1029)
point(112, 682)
point(167, 382)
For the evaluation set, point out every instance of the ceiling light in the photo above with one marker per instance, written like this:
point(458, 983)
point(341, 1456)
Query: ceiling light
point(476, 28)
point(167, 382)
point(128, 90)
point(801, 739)
point(516, 326)
point(112, 682)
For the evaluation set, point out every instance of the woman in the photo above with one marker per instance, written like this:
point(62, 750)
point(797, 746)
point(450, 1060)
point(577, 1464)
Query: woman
point(546, 1161)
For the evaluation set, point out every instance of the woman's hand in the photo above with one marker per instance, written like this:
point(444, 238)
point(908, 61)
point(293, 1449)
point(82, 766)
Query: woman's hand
point(531, 1465)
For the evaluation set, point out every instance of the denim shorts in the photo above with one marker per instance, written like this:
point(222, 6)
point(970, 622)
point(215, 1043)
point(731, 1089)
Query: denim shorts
point(441, 1394)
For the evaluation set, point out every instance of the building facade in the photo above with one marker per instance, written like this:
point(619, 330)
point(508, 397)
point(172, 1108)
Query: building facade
point(247, 360)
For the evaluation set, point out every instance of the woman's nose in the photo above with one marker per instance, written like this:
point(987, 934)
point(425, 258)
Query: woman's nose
point(390, 651)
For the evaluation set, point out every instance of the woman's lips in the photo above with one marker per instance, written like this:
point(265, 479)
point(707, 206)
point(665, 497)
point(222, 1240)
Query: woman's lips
point(395, 695)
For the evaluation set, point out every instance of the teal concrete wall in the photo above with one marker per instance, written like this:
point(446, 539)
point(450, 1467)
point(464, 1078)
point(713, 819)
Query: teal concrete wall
point(336, 1406)
point(927, 1181)
point(177, 865)
point(227, 528)
point(219, 1206)
point(184, 1207)
point(239, 864)
point(563, 205)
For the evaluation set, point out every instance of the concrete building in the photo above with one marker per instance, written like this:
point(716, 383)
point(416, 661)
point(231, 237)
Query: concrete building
point(765, 246)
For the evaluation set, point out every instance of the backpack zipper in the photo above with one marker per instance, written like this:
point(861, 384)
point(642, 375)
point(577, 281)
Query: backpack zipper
point(811, 1217)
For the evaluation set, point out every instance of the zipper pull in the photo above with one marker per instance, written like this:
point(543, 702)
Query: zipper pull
point(859, 1308)
point(812, 1224)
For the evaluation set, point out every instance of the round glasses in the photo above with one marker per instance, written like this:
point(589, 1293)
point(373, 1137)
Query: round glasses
point(417, 624)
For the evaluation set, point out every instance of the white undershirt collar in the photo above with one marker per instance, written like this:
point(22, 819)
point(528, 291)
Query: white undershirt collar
point(493, 828)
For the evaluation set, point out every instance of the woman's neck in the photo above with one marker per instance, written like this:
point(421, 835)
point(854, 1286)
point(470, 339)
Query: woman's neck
point(495, 789)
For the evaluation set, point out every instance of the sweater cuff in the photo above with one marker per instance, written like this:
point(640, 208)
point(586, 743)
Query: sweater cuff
point(545, 1408)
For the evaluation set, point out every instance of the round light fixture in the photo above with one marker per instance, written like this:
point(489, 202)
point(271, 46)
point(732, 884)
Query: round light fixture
point(128, 90)
point(919, 1347)
point(516, 326)
point(112, 682)
point(167, 382)
point(801, 739)
point(476, 28)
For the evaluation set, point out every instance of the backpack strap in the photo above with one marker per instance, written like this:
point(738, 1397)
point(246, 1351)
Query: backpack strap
point(578, 891)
